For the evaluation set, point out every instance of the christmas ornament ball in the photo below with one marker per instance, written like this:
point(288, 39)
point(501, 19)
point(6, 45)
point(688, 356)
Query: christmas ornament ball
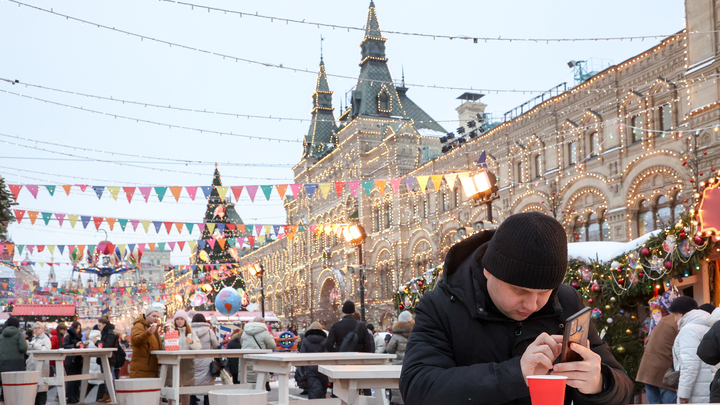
point(620, 349)
point(613, 299)
point(596, 313)
point(628, 331)
point(596, 287)
point(679, 226)
point(645, 252)
point(639, 268)
point(575, 284)
point(607, 307)
point(633, 317)
point(698, 240)
point(609, 320)
point(668, 265)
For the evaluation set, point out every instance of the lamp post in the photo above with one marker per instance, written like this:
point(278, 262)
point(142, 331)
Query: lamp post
point(355, 235)
point(481, 187)
point(257, 269)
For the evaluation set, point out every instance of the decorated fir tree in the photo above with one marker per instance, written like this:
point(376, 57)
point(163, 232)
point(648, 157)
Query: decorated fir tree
point(216, 254)
point(6, 216)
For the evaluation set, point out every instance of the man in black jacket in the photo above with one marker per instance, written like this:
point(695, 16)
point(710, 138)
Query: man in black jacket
point(346, 325)
point(497, 317)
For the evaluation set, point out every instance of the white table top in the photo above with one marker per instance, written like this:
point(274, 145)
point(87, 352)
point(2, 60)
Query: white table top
point(216, 352)
point(360, 372)
point(74, 351)
point(297, 357)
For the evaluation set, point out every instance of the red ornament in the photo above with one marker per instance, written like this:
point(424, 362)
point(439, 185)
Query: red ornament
point(621, 281)
point(682, 235)
point(713, 169)
point(692, 180)
point(705, 153)
point(680, 280)
point(105, 247)
point(698, 240)
point(668, 265)
point(400, 306)
point(596, 287)
point(684, 163)
point(590, 300)
point(685, 201)
point(641, 274)
point(575, 284)
point(645, 252)
point(701, 174)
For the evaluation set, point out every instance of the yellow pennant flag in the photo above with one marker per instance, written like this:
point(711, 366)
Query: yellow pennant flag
point(192, 244)
point(210, 227)
point(222, 190)
point(73, 219)
point(380, 184)
point(176, 192)
point(51, 248)
point(114, 192)
point(450, 180)
point(281, 189)
point(325, 189)
point(437, 180)
point(261, 239)
point(422, 181)
point(146, 225)
point(267, 229)
point(122, 249)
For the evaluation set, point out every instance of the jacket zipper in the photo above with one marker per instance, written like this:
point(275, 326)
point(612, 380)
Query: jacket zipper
point(518, 329)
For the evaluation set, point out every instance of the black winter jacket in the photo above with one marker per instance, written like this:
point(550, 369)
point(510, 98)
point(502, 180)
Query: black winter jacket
point(109, 340)
point(344, 326)
point(463, 350)
point(73, 364)
point(234, 362)
point(709, 352)
point(317, 382)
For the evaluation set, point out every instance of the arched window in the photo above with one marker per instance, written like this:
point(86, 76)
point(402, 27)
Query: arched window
point(663, 211)
point(645, 222)
point(384, 101)
point(520, 172)
point(456, 199)
point(538, 166)
point(388, 214)
point(665, 120)
point(427, 205)
point(594, 144)
point(605, 228)
point(376, 217)
point(636, 131)
point(443, 201)
point(593, 228)
point(579, 230)
point(572, 153)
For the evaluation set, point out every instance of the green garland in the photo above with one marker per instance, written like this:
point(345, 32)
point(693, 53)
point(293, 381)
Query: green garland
point(408, 295)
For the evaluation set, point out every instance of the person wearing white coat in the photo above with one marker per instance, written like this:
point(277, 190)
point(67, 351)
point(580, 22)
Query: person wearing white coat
point(208, 340)
point(695, 375)
point(256, 336)
point(40, 341)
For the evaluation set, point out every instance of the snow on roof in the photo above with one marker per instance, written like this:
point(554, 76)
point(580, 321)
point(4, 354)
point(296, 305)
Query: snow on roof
point(430, 132)
point(605, 251)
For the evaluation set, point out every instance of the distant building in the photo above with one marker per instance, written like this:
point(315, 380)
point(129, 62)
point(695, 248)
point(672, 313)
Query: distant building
point(152, 269)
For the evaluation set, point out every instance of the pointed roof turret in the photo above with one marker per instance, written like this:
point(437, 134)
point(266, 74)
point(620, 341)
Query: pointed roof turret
point(372, 28)
point(321, 134)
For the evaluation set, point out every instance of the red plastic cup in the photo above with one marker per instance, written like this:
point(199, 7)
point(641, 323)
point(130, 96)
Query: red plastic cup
point(547, 389)
point(100, 345)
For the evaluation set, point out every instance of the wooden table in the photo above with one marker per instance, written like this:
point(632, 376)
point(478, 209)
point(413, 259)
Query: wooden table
point(347, 380)
point(282, 363)
point(171, 359)
point(58, 356)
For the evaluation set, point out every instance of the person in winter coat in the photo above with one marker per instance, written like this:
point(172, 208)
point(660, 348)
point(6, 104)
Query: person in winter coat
point(346, 325)
point(498, 316)
point(92, 343)
point(13, 347)
point(377, 339)
point(387, 338)
point(73, 364)
point(108, 340)
point(57, 335)
point(187, 340)
point(695, 375)
point(657, 358)
point(709, 352)
point(233, 362)
point(145, 338)
point(208, 340)
point(40, 341)
point(314, 342)
point(398, 342)
point(257, 336)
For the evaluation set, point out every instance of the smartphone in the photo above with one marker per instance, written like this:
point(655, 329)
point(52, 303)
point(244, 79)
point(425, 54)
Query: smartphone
point(577, 328)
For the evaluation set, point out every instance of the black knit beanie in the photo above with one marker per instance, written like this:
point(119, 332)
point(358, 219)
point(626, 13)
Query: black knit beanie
point(682, 305)
point(528, 250)
point(348, 307)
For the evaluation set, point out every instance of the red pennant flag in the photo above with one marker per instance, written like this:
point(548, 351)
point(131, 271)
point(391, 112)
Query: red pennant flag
point(339, 185)
point(98, 221)
point(168, 226)
point(251, 241)
point(236, 190)
point(19, 214)
point(15, 190)
point(181, 244)
point(129, 192)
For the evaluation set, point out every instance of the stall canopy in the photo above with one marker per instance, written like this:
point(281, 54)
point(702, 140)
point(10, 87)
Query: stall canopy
point(44, 310)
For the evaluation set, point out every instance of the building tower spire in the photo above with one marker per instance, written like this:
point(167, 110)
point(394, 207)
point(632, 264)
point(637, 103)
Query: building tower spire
point(321, 135)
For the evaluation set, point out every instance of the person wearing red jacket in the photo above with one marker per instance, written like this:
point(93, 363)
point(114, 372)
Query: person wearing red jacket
point(57, 335)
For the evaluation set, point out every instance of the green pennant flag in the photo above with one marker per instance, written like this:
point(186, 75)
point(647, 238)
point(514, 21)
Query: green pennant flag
point(51, 190)
point(301, 228)
point(160, 191)
point(161, 245)
point(267, 190)
point(123, 223)
point(367, 186)
point(46, 217)
point(91, 249)
point(189, 226)
point(230, 242)
point(20, 248)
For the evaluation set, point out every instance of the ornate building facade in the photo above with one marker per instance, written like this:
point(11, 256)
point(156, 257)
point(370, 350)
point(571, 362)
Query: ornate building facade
point(612, 159)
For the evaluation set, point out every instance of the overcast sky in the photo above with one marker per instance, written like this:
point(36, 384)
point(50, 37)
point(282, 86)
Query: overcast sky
point(41, 48)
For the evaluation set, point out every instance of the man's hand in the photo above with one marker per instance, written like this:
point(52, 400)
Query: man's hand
point(539, 356)
point(188, 340)
point(152, 330)
point(684, 400)
point(584, 375)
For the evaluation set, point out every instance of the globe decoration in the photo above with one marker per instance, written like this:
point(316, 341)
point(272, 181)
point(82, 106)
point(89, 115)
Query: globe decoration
point(227, 301)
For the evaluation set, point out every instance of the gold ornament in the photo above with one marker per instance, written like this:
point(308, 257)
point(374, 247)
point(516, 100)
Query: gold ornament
point(639, 268)
point(620, 349)
point(607, 307)
point(613, 299)
point(679, 226)
point(633, 317)
point(628, 331)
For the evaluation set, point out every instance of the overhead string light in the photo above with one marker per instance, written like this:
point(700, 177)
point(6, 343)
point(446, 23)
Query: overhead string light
point(283, 66)
point(475, 39)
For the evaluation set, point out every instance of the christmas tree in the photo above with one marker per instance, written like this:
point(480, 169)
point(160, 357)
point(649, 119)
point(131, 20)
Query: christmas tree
point(216, 254)
point(6, 216)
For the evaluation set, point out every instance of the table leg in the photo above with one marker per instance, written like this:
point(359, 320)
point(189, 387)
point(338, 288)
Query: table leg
point(242, 369)
point(107, 371)
point(176, 384)
point(84, 383)
point(284, 389)
point(261, 377)
point(60, 375)
point(353, 393)
point(163, 373)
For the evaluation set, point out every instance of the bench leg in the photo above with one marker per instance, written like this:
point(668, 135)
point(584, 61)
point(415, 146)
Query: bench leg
point(260, 384)
point(60, 375)
point(284, 390)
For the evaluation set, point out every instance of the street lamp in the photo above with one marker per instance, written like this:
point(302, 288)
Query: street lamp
point(257, 269)
point(481, 187)
point(355, 235)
